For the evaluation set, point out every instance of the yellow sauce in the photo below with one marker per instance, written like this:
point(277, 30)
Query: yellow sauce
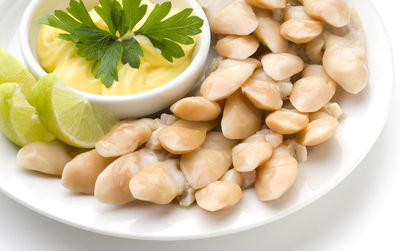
point(60, 56)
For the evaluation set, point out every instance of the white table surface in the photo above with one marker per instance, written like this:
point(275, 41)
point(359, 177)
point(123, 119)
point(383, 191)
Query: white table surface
point(362, 213)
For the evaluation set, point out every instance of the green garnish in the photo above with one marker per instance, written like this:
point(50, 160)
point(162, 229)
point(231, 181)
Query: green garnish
point(108, 48)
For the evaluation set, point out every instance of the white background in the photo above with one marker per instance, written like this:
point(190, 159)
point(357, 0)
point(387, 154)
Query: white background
point(362, 213)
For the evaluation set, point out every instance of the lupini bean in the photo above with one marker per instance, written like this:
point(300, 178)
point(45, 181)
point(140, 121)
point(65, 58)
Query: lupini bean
point(125, 137)
point(277, 176)
point(334, 12)
point(318, 131)
point(314, 49)
point(183, 136)
point(264, 95)
point(208, 163)
point(299, 27)
point(281, 66)
point(229, 77)
point(269, 34)
point(286, 121)
point(301, 31)
point(247, 156)
point(237, 47)
point(80, 174)
point(218, 195)
point(260, 74)
point(196, 109)
point(45, 157)
point(240, 119)
point(345, 58)
point(285, 88)
point(159, 182)
point(313, 91)
point(232, 176)
point(268, 4)
point(112, 185)
point(235, 18)
point(274, 138)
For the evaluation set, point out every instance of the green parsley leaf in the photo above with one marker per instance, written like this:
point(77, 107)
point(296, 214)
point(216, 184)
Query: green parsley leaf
point(132, 53)
point(107, 70)
point(105, 49)
point(134, 12)
point(166, 34)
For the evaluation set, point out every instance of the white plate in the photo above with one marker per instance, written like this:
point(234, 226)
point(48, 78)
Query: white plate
point(328, 164)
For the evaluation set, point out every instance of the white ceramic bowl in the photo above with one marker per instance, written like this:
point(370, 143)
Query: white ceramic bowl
point(134, 105)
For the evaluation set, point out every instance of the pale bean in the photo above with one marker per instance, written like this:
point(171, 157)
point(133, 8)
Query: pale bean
point(237, 18)
point(318, 115)
point(334, 12)
point(112, 185)
point(285, 88)
point(314, 50)
point(277, 176)
point(274, 138)
point(345, 62)
point(247, 157)
point(229, 77)
point(286, 121)
point(208, 163)
point(301, 31)
point(260, 74)
point(237, 47)
point(264, 95)
point(183, 136)
point(218, 195)
point(313, 91)
point(232, 176)
point(296, 12)
point(281, 66)
point(45, 157)
point(125, 137)
point(159, 182)
point(268, 4)
point(80, 174)
point(269, 34)
point(318, 131)
point(240, 119)
point(196, 109)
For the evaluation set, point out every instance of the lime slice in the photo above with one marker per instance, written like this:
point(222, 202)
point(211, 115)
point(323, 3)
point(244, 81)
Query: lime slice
point(69, 116)
point(18, 119)
point(12, 71)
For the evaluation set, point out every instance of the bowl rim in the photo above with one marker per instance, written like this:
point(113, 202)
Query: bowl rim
point(199, 56)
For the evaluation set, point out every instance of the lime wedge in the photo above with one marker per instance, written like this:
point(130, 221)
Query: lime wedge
point(12, 71)
point(69, 116)
point(18, 119)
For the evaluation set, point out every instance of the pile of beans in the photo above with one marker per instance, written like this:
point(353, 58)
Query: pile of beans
point(266, 99)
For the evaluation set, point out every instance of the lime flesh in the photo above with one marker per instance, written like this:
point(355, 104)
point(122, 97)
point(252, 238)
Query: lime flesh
point(18, 119)
point(69, 116)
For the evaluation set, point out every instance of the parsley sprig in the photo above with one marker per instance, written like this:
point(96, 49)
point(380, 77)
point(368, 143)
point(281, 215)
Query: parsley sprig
point(118, 44)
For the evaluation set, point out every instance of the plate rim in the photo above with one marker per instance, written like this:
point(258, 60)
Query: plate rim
point(289, 211)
